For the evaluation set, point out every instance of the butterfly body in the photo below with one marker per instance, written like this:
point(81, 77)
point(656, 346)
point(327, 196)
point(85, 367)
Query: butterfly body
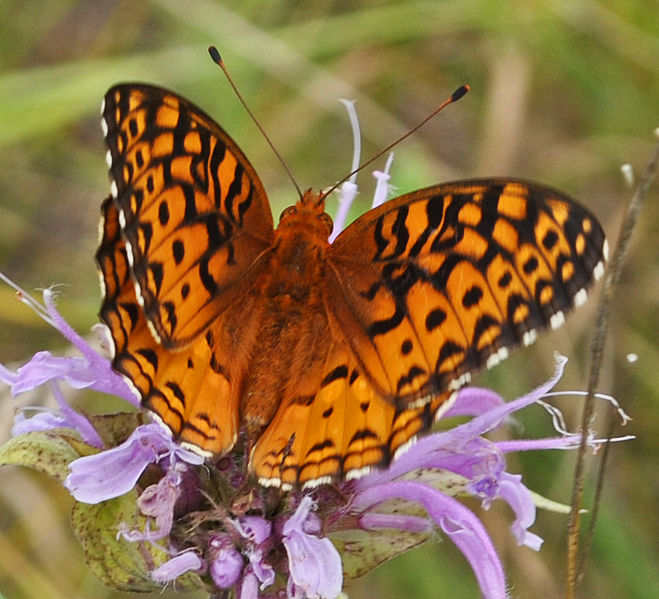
point(327, 359)
point(280, 324)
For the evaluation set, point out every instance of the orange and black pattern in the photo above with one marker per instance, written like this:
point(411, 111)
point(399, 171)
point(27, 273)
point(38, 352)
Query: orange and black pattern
point(458, 273)
point(325, 359)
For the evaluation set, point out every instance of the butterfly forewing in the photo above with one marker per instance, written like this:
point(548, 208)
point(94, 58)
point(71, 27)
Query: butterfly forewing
point(436, 284)
point(192, 211)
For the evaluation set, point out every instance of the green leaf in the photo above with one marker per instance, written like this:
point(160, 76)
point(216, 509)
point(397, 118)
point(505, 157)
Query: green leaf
point(114, 429)
point(49, 452)
point(363, 550)
point(119, 563)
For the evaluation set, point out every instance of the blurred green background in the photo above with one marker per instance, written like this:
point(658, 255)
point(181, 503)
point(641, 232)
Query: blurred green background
point(563, 92)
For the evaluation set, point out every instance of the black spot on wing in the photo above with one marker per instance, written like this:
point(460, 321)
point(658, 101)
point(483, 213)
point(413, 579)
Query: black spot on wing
point(340, 372)
point(150, 356)
point(472, 296)
point(434, 319)
point(326, 444)
point(413, 373)
point(381, 327)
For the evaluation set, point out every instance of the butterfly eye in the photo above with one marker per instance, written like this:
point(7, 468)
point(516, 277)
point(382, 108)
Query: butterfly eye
point(290, 211)
point(327, 221)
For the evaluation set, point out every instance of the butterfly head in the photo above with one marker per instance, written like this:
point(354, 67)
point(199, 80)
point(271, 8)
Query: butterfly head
point(307, 214)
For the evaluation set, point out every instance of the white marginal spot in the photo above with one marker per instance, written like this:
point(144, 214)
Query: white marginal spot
point(498, 356)
point(129, 255)
point(114, 191)
point(108, 158)
point(557, 320)
point(122, 219)
point(101, 229)
point(310, 484)
point(404, 447)
point(581, 297)
point(462, 380)
point(358, 472)
point(632, 357)
point(529, 337)
point(270, 482)
point(598, 271)
point(605, 250)
point(419, 403)
point(138, 395)
point(104, 124)
point(492, 361)
point(101, 281)
point(446, 405)
point(194, 448)
point(157, 337)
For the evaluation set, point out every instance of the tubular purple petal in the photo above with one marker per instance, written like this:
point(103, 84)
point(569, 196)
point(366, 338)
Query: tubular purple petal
point(114, 472)
point(519, 499)
point(44, 367)
point(564, 442)
point(473, 401)
point(180, 564)
point(226, 563)
point(370, 521)
point(464, 528)
point(249, 588)
point(77, 421)
point(105, 379)
point(314, 563)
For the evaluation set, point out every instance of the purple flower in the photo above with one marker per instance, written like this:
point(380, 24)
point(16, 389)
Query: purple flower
point(91, 370)
point(67, 418)
point(238, 539)
point(314, 563)
point(225, 561)
point(115, 471)
point(211, 518)
point(176, 566)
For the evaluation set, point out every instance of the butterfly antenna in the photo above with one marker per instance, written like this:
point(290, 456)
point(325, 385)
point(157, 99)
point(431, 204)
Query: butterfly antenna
point(454, 97)
point(217, 59)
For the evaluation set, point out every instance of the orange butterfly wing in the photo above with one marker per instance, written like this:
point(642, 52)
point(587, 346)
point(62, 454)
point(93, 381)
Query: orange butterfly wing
point(343, 428)
point(435, 284)
point(194, 215)
point(421, 292)
point(185, 234)
point(178, 386)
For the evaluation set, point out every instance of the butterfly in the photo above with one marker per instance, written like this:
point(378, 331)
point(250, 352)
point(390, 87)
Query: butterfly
point(322, 360)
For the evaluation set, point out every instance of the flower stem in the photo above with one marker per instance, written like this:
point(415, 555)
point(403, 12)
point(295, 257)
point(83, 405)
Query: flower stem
point(575, 563)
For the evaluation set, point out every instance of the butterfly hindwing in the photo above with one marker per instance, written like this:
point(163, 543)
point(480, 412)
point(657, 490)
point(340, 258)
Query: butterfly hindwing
point(192, 211)
point(336, 427)
point(438, 283)
point(187, 390)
